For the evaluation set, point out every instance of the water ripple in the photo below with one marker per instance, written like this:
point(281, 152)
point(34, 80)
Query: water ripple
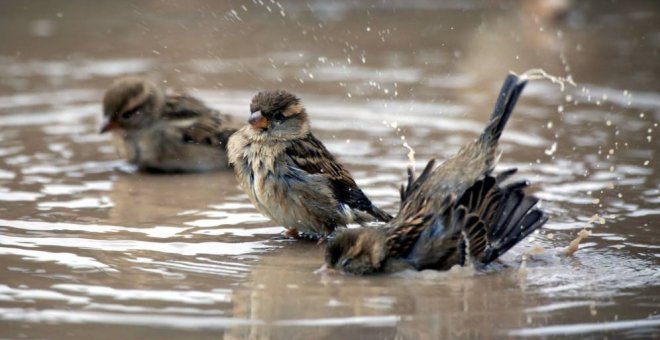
point(180, 248)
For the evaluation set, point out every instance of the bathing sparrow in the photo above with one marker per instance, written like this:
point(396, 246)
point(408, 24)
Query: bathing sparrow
point(454, 213)
point(164, 133)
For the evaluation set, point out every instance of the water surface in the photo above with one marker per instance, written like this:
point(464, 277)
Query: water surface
point(89, 247)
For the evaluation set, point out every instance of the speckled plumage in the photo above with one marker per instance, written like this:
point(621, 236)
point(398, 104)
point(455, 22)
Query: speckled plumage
point(165, 133)
point(452, 213)
point(289, 175)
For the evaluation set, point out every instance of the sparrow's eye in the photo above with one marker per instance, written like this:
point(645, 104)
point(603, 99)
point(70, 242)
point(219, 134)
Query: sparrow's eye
point(345, 262)
point(278, 116)
point(129, 114)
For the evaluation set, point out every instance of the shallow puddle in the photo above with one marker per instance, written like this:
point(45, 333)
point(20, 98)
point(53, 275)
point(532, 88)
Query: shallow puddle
point(89, 247)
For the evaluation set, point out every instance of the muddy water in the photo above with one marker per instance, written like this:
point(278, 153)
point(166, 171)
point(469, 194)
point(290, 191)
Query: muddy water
point(89, 247)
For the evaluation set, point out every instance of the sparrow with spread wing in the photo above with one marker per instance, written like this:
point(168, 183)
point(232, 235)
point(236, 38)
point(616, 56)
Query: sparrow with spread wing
point(164, 133)
point(289, 175)
point(451, 214)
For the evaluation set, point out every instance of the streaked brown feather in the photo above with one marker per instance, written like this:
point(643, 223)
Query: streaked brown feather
point(413, 218)
point(207, 127)
point(310, 155)
point(165, 135)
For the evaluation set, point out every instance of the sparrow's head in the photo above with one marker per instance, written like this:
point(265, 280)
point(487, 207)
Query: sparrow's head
point(131, 104)
point(279, 114)
point(357, 251)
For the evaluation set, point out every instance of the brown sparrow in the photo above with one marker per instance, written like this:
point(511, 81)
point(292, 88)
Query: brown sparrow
point(289, 175)
point(453, 213)
point(168, 133)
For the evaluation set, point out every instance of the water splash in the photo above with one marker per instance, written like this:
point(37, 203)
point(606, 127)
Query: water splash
point(539, 73)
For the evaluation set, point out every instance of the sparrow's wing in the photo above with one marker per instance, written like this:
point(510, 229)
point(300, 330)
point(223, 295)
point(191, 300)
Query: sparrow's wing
point(485, 222)
point(310, 155)
point(417, 216)
point(195, 122)
point(498, 217)
point(431, 229)
point(416, 213)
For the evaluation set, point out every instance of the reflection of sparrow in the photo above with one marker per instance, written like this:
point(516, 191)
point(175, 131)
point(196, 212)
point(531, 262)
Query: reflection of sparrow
point(289, 175)
point(452, 213)
point(161, 132)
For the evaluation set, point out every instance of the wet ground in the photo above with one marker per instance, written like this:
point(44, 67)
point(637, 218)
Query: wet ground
point(89, 247)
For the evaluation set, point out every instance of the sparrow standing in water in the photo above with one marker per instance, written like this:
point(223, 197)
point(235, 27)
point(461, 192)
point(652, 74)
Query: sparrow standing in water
point(164, 133)
point(453, 213)
point(289, 175)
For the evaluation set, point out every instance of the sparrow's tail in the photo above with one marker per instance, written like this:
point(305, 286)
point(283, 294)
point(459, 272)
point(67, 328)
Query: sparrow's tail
point(370, 213)
point(379, 214)
point(498, 217)
point(506, 101)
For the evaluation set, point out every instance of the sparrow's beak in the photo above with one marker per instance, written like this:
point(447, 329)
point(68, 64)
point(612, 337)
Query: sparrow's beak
point(258, 121)
point(108, 124)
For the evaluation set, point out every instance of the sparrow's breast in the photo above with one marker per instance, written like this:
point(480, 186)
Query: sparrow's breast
point(260, 176)
point(280, 190)
point(128, 145)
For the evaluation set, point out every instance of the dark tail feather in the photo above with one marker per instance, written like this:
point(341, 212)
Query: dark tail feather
point(379, 214)
point(497, 217)
point(504, 175)
point(516, 220)
point(509, 94)
point(413, 183)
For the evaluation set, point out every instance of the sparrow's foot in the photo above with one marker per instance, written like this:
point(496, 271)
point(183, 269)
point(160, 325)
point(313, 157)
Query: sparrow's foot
point(311, 236)
point(288, 234)
point(293, 233)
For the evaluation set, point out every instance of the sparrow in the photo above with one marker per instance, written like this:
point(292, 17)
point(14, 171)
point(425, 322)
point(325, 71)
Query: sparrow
point(290, 176)
point(164, 132)
point(455, 213)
